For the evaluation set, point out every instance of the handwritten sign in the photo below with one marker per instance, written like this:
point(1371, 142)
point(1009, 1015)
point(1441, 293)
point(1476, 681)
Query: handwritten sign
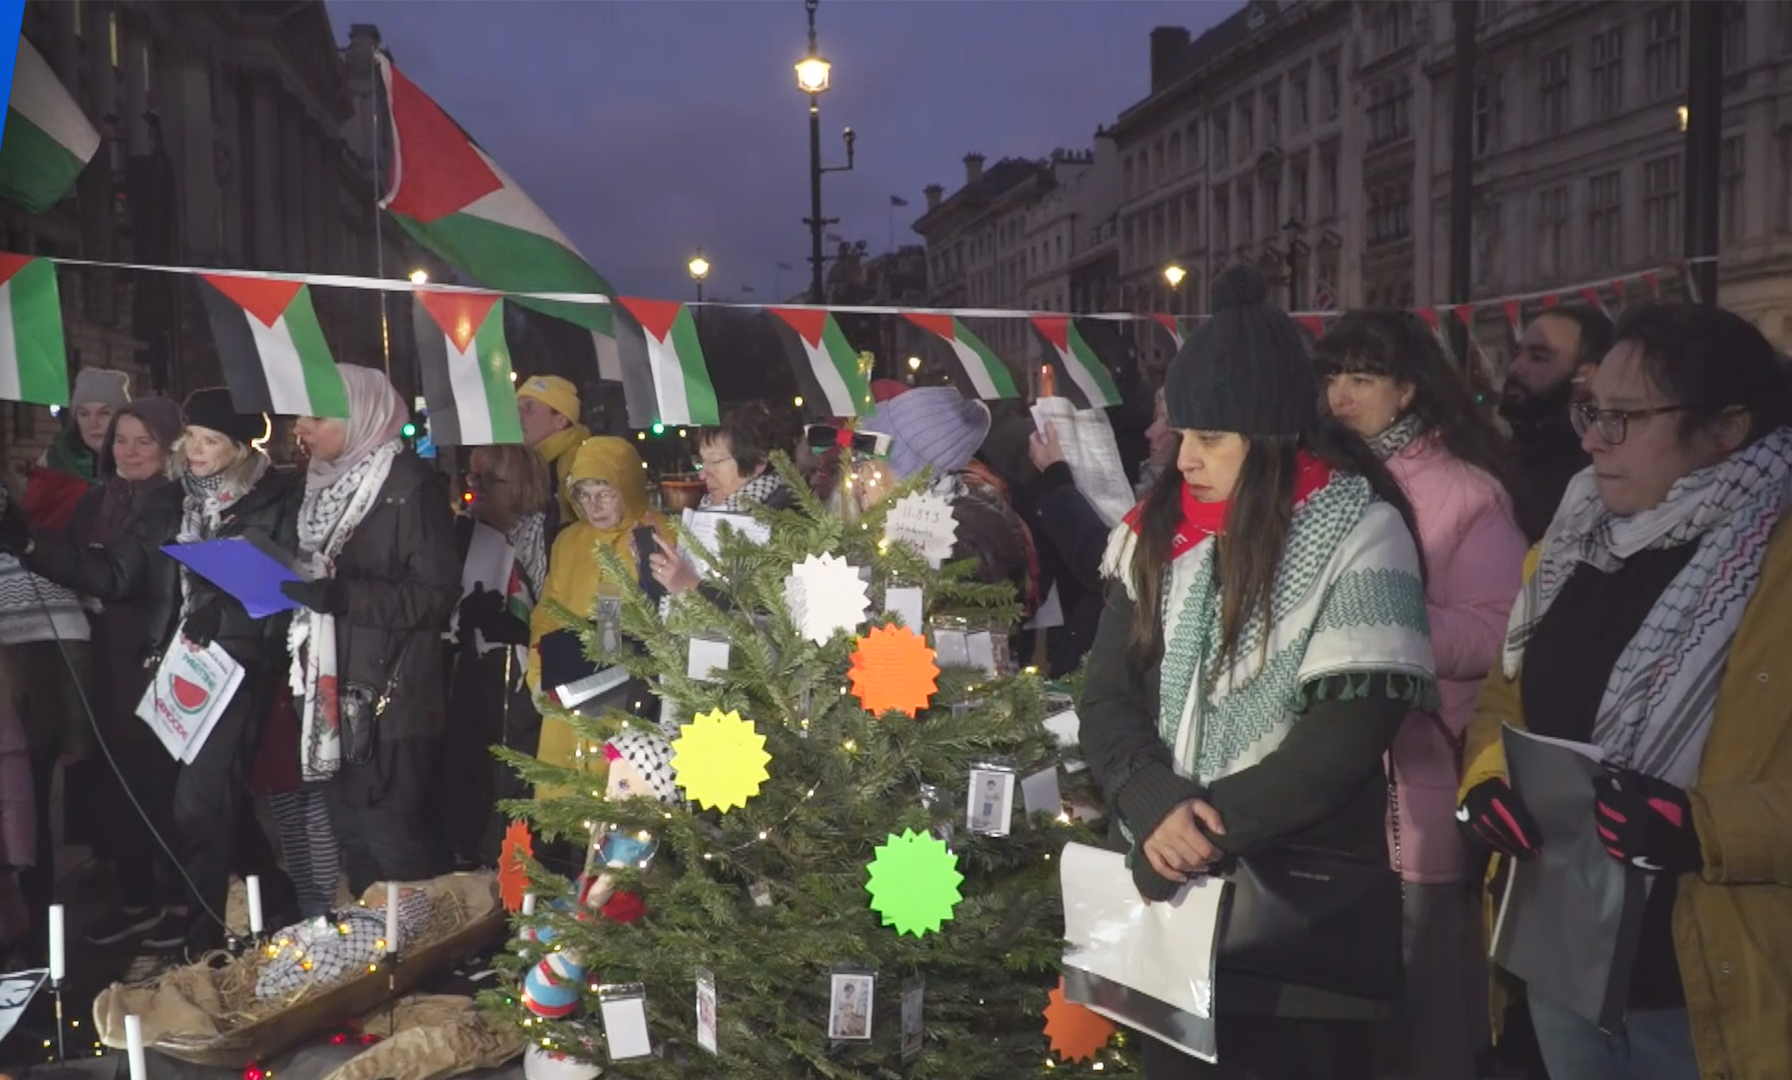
point(923, 521)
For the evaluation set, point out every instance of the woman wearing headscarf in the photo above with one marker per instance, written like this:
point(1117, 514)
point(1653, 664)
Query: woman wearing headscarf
point(134, 467)
point(1244, 724)
point(376, 534)
point(1653, 625)
point(1387, 379)
point(226, 489)
point(609, 487)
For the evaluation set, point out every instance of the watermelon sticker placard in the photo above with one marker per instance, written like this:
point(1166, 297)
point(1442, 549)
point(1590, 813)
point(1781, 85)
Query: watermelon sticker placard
point(191, 689)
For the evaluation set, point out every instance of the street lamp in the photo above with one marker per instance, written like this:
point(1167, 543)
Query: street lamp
point(914, 363)
point(699, 268)
point(813, 77)
point(419, 277)
point(1174, 275)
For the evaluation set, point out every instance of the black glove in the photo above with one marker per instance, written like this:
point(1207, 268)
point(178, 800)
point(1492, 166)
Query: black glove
point(15, 532)
point(326, 597)
point(1646, 823)
point(484, 610)
point(201, 624)
point(562, 660)
point(1492, 816)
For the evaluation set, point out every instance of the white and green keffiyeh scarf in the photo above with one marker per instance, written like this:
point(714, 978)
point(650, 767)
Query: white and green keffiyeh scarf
point(1349, 600)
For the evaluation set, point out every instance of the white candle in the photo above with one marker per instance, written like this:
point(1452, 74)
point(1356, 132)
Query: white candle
point(528, 903)
point(252, 885)
point(391, 918)
point(133, 1041)
point(58, 960)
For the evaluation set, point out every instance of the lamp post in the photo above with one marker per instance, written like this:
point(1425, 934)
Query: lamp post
point(812, 75)
point(699, 268)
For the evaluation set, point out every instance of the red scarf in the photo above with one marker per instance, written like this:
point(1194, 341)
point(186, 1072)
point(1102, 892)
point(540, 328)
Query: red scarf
point(1203, 519)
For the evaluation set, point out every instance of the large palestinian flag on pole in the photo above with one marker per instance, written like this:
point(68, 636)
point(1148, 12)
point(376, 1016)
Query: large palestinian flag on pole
point(33, 362)
point(48, 138)
point(981, 369)
point(465, 364)
point(825, 363)
point(272, 350)
point(660, 337)
point(1085, 379)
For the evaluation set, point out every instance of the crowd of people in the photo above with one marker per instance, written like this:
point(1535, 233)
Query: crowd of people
point(1346, 572)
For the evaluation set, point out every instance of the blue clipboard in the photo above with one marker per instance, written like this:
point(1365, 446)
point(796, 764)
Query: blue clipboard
point(250, 571)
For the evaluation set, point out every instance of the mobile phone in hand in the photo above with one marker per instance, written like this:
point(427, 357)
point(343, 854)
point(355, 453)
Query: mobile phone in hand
point(646, 545)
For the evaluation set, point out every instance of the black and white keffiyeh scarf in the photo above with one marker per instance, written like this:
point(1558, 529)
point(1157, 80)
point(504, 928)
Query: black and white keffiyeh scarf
point(206, 499)
point(1662, 693)
point(1397, 436)
point(756, 490)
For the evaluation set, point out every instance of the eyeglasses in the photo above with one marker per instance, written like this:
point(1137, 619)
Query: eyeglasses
point(699, 462)
point(1612, 424)
point(603, 495)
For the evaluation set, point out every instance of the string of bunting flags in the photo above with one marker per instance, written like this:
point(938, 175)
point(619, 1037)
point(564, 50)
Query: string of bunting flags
point(275, 356)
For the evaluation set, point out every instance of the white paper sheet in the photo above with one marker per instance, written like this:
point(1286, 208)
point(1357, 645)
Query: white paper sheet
point(1094, 457)
point(705, 527)
point(909, 602)
point(1163, 951)
point(189, 691)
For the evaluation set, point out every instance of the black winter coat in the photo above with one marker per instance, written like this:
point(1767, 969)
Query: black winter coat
point(401, 581)
point(133, 567)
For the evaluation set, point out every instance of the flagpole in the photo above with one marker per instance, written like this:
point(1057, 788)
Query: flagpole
point(379, 232)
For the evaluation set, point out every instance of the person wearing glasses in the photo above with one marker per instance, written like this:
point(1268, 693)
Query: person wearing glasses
point(734, 459)
point(1653, 625)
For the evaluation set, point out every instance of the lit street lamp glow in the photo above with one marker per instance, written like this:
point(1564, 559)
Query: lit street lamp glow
point(1174, 275)
point(914, 363)
point(812, 73)
point(419, 277)
point(699, 267)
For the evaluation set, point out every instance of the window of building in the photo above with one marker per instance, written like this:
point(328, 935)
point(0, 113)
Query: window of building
point(1489, 252)
point(1490, 113)
point(1783, 209)
point(1194, 144)
point(1606, 65)
point(1272, 117)
point(1552, 232)
point(1661, 206)
point(1661, 52)
point(1144, 169)
point(1297, 192)
point(1177, 164)
point(1247, 128)
point(1271, 188)
point(1191, 217)
point(1222, 142)
point(1390, 212)
point(1553, 92)
point(1160, 247)
point(1388, 111)
point(1160, 161)
point(1329, 97)
point(1328, 185)
point(1736, 35)
point(1604, 209)
point(1782, 28)
point(1729, 194)
point(1221, 222)
point(1176, 240)
point(1127, 183)
point(1247, 213)
point(1297, 93)
point(1390, 27)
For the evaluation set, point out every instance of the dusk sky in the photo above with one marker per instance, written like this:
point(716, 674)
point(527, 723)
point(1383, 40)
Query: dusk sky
point(648, 129)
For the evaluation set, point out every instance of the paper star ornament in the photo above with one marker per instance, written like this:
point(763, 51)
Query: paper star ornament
point(825, 595)
point(923, 521)
point(893, 668)
point(1074, 1031)
point(720, 760)
point(513, 869)
point(914, 882)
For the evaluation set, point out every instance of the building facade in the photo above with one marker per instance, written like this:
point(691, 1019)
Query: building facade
point(1579, 149)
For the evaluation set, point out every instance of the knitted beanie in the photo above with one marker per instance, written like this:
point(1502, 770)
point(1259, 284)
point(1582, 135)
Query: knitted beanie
point(554, 392)
point(212, 408)
point(930, 426)
point(104, 386)
point(1247, 370)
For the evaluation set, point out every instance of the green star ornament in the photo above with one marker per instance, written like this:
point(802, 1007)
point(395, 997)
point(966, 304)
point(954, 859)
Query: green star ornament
point(914, 882)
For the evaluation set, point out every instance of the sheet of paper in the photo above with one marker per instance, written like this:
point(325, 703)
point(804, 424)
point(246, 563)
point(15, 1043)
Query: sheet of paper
point(190, 689)
point(1040, 794)
point(1149, 966)
point(1066, 726)
point(625, 1028)
point(1092, 454)
point(1050, 615)
point(489, 559)
point(705, 527)
point(708, 659)
point(908, 602)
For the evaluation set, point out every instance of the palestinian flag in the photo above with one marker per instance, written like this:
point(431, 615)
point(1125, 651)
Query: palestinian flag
point(1178, 327)
point(48, 140)
point(660, 337)
point(982, 370)
point(450, 196)
point(825, 363)
point(273, 352)
point(1086, 379)
point(33, 362)
point(465, 364)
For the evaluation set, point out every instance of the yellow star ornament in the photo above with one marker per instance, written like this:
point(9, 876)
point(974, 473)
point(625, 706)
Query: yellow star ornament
point(719, 760)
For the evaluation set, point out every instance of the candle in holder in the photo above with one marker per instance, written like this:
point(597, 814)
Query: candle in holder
point(252, 886)
point(391, 918)
point(133, 1041)
point(58, 959)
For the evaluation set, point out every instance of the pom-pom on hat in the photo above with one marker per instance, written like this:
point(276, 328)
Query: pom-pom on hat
point(1247, 370)
point(651, 756)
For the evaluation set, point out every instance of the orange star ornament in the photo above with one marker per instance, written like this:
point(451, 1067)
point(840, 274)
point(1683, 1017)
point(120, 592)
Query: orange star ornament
point(1074, 1031)
point(893, 669)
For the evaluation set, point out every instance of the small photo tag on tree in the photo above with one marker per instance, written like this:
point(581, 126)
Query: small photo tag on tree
point(849, 1005)
point(624, 1010)
point(708, 659)
point(907, 602)
point(951, 647)
point(1066, 726)
point(1040, 793)
point(609, 626)
point(706, 1010)
point(914, 990)
point(761, 892)
point(931, 801)
point(923, 521)
point(980, 650)
point(989, 804)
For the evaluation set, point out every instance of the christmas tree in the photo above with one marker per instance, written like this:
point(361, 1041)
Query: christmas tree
point(834, 772)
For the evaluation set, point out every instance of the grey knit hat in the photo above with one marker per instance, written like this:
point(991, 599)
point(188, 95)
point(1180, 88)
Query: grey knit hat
point(930, 426)
point(104, 386)
point(1247, 370)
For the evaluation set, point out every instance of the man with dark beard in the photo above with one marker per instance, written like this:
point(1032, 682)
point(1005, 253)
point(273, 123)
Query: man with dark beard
point(1557, 350)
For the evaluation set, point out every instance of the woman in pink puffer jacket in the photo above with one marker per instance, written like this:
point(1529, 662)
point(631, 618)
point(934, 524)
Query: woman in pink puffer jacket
point(1387, 378)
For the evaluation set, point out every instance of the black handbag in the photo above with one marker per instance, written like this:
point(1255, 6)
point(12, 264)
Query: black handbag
point(1314, 919)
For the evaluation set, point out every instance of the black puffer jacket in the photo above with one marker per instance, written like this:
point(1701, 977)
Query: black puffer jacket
point(133, 567)
point(402, 580)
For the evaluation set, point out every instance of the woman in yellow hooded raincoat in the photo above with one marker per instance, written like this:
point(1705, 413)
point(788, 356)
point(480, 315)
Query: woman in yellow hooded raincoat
point(608, 486)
